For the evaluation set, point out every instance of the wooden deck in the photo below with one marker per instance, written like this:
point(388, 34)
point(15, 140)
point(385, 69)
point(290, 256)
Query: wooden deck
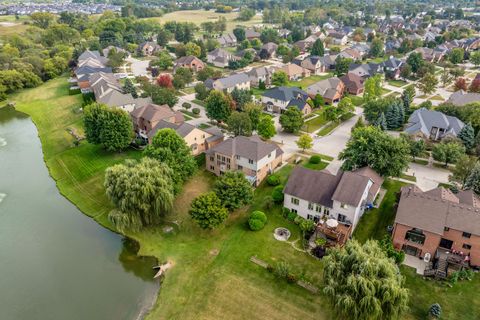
point(335, 236)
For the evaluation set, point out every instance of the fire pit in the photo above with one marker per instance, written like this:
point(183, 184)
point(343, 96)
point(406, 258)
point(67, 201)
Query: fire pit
point(281, 234)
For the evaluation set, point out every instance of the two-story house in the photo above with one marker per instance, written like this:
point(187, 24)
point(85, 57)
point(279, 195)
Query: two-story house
point(220, 57)
point(331, 89)
point(190, 62)
point(251, 155)
point(438, 223)
point(432, 125)
point(313, 64)
point(278, 99)
point(240, 81)
point(314, 194)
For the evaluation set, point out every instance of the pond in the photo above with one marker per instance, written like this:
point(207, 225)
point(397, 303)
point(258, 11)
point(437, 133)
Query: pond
point(55, 262)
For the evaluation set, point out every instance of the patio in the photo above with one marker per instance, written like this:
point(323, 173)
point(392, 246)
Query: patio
point(335, 233)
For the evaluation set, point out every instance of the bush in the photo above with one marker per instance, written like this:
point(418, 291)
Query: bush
point(196, 111)
point(315, 159)
point(268, 202)
point(258, 215)
point(186, 105)
point(255, 224)
point(277, 194)
point(285, 212)
point(319, 252)
point(273, 180)
point(435, 311)
point(291, 278)
point(282, 269)
point(321, 242)
point(291, 216)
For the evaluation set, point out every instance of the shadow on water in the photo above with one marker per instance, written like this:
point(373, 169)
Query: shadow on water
point(140, 266)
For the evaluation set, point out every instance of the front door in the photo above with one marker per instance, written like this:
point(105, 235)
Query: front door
point(410, 250)
point(445, 243)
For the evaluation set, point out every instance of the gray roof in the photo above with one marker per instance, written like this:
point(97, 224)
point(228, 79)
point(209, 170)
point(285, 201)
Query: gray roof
point(326, 88)
point(422, 120)
point(285, 93)
point(233, 80)
point(434, 210)
point(350, 188)
point(366, 70)
point(90, 54)
point(252, 148)
point(461, 98)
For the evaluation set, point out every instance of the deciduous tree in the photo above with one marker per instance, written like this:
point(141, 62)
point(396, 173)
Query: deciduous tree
point(463, 168)
point(266, 127)
point(239, 124)
point(291, 120)
point(305, 142)
point(448, 151)
point(207, 211)
point(218, 106)
point(279, 78)
point(234, 190)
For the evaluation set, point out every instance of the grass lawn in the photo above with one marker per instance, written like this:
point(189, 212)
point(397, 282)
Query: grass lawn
point(257, 92)
point(356, 100)
point(332, 125)
point(437, 98)
point(315, 166)
point(305, 82)
point(189, 114)
point(385, 91)
point(212, 275)
point(204, 126)
point(420, 161)
point(199, 102)
point(315, 123)
point(397, 83)
point(9, 25)
point(408, 177)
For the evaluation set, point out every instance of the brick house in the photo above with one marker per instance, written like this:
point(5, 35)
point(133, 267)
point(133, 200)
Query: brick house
point(354, 84)
point(331, 89)
point(251, 155)
point(439, 223)
point(146, 118)
point(190, 62)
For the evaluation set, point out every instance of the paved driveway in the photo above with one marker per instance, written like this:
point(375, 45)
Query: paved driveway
point(138, 67)
point(428, 178)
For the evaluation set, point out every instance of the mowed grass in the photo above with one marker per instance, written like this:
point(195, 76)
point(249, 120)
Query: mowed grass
point(199, 16)
point(212, 275)
point(9, 25)
point(305, 82)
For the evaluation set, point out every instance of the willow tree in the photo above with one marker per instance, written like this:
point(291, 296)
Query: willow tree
point(362, 283)
point(142, 191)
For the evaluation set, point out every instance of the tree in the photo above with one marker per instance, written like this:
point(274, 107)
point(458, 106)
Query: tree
point(160, 95)
point(279, 78)
point(448, 151)
point(460, 84)
point(415, 61)
point(201, 91)
point(206, 73)
point(406, 71)
point(170, 148)
point(257, 220)
point(254, 111)
point(372, 88)
point(473, 180)
point(110, 127)
point(417, 147)
point(246, 14)
point(463, 168)
point(266, 127)
point(427, 84)
point(456, 55)
point(467, 135)
point(141, 191)
point(305, 142)
point(291, 120)
point(342, 65)
point(239, 124)
point(317, 48)
point(234, 190)
point(43, 19)
point(475, 86)
point(130, 88)
point(381, 122)
point(475, 58)
point(241, 98)
point(239, 33)
point(317, 101)
point(217, 106)
point(361, 282)
point(376, 48)
point(192, 49)
point(207, 211)
point(163, 37)
point(446, 77)
point(165, 81)
point(369, 146)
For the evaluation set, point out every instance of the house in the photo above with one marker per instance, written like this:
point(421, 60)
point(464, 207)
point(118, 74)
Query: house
point(433, 125)
point(190, 62)
point(251, 155)
point(366, 70)
point(82, 76)
point(461, 98)
point(227, 40)
point(263, 74)
point(294, 72)
point(392, 67)
point(331, 89)
point(198, 140)
point(268, 50)
point(439, 225)
point(354, 84)
point(148, 48)
point(329, 62)
point(251, 34)
point(106, 51)
point(338, 38)
point(220, 57)
point(313, 64)
point(351, 53)
point(107, 90)
point(146, 119)
point(314, 194)
point(278, 99)
point(430, 55)
point(89, 55)
point(240, 81)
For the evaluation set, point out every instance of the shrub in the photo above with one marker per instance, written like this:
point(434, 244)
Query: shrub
point(321, 242)
point(285, 212)
point(315, 159)
point(186, 105)
point(196, 111)
point(277, 194)
point(258, 215)
point(282, 269)
point(435, 311)
point(273, 180)
point(255, 224)
point(291, 278)
point(319, 252)
point(291, 216)
point(268, 202)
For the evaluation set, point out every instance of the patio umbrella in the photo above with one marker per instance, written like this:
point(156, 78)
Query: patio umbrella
point(332, 223)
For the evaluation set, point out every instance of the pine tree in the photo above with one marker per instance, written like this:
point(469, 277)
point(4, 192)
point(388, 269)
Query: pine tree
point(392, 117)
point(381, 122)
point(130, 88)
point(401, 114)
point(406, 103)
point(467, 135)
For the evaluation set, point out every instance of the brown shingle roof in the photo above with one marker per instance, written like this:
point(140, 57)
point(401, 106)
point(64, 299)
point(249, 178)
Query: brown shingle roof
point(248, 147)
point(350, 188)
point(153, 112)
point(352, 81)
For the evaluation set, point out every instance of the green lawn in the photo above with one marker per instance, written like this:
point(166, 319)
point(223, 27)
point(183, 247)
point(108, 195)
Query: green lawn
point(397, 83)
point(420, 161)
point(332, 125)
point(356, 100)
point(305, 82)
point(199, 102)
point(315, 123)
point(373, 224)
point(408, 177)
point(315, 166)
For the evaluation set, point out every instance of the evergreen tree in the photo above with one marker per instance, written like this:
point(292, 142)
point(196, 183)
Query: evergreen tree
point(467, 135)
point(317, 48)
point(381, 122)
point(392, 116)
point(401, 114)
point(473, 180)
point(130, 88)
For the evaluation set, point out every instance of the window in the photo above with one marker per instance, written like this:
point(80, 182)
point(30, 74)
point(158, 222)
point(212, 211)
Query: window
point(228, 167)
point(294, 210)
point(212, 168)
point(237, 157)
point(309, 217)
point(239, 167)
point(446, 229)
point(228, 160)
point(269, 155)
point(295, 201)
point(466, 246)
point(415, 235)
point(466, 235)
point(223, 159)
point(250, 161)
point(318, 208)
point(203, 136)
point(342, 218)
point(310, 206)
point(326, 211)
point(212, 158)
